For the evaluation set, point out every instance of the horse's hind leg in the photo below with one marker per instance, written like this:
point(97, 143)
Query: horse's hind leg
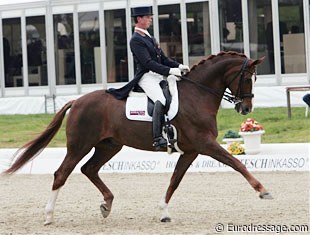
point(60, 177)
point(103, 153)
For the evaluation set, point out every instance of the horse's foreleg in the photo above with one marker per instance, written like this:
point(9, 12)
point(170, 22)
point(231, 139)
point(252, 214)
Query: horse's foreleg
point(183, 164)
point(223, 156)
point(102, 155)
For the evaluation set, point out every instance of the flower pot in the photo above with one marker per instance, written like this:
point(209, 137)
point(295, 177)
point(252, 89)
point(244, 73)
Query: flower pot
point(252, 141)
point(229, 141)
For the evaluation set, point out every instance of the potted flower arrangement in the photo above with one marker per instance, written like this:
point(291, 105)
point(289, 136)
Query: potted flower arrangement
point(232, 136)
point(251, 132)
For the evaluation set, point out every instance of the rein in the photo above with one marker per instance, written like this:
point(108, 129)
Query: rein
point(201, 86)
point(228, 96)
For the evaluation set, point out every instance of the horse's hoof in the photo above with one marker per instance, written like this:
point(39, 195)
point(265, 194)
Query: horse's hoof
point(105, 211)
point(48, 222)
point(265, 195)
point(48, 219)
point(165, 219)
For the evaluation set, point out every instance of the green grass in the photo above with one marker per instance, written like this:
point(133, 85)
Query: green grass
point(278, 128)
point(16, 130)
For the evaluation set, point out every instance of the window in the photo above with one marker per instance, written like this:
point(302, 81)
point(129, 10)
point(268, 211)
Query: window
point(116, 45)
point(64, 49)
point(231, 27)
point(292, 36)
point(198, 30)
point(170, 31)
point(89, 47)
point(12, 52)
point(261, 36)
point(36, 51)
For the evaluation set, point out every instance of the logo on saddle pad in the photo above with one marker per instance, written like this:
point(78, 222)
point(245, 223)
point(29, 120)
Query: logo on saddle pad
point(135, 113)
point(137, 104)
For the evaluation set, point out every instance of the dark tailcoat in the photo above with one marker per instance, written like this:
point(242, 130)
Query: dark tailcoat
point(148, 57)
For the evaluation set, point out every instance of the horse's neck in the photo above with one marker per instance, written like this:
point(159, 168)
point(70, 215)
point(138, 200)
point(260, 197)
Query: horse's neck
point(200, 97)
point(215, 74)
point(211, 76)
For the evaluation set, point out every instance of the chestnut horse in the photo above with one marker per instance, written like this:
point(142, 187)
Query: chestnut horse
point(97, 120)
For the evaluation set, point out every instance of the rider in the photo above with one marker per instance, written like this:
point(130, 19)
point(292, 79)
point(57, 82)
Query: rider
point(152, 65)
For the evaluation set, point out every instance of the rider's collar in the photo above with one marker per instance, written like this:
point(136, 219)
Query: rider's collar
point(143, 31)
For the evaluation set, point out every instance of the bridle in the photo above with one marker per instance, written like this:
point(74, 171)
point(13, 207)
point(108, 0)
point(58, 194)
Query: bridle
point(228, 96)
point(238, 98)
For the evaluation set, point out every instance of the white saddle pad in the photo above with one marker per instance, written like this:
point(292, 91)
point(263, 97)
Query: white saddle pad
point(136, 105)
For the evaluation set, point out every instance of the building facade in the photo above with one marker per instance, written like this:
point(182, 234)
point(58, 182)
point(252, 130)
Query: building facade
point(72, 47)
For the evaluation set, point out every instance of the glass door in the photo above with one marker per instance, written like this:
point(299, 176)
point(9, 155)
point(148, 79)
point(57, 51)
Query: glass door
point(64, 49)
point(169, 18)
point(89, 47)
point(198, 31)
point(12, 52)
point(231, 26)
point(36, 51)
point(261, 34)
point(292, 36)
point(116, 45)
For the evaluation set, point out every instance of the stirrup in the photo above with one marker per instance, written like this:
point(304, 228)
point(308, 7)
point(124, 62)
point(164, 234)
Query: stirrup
point(160, 142)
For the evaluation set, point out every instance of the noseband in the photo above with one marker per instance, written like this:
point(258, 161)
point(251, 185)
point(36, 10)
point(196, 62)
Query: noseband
point(228, 96)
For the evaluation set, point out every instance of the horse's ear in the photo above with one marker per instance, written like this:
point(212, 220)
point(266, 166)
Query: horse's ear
point(258, 61)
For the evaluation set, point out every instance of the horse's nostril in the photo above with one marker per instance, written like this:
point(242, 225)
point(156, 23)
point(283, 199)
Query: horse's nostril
point(247, 110)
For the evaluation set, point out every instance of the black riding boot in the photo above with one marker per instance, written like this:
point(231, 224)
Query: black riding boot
point(159, 141)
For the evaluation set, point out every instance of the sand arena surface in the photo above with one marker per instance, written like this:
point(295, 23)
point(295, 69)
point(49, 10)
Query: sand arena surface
point(201, 201)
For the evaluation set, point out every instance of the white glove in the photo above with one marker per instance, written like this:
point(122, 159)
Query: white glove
point(172, 77)
point(175, 71)
point(184, 68)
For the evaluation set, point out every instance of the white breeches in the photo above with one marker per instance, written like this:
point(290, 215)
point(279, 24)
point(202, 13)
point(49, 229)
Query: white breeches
point(150, 84)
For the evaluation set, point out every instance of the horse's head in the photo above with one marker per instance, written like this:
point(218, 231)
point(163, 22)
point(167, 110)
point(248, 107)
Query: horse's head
point(240, 79)
point(230, 70)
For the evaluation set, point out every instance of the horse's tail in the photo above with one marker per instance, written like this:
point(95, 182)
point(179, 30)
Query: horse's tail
point(31, 149)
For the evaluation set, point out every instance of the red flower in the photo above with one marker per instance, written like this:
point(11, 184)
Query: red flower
point(250, 125)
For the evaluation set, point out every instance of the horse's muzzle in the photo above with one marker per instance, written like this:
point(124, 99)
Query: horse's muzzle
point(242, 108)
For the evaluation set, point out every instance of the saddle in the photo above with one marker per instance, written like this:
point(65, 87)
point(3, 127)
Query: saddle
point(150, 104)
point(140, 108)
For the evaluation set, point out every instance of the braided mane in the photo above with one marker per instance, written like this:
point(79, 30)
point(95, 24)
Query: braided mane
point(222, 53)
